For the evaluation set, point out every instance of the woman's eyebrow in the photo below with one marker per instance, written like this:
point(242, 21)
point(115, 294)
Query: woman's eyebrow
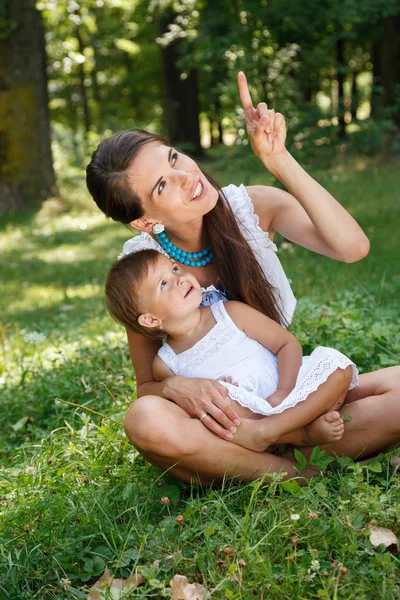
point(159, 180)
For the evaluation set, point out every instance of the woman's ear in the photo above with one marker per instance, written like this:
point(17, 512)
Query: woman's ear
point(150, 321)
point(143, 224)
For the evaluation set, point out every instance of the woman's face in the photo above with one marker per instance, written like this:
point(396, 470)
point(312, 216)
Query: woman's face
point(171, 186)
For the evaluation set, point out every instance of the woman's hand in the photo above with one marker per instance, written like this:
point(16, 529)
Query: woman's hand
point(206, 400)
point(265, 128)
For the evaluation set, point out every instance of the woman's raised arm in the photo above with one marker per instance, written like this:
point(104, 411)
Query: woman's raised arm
point(196, 396)
point(309, 215)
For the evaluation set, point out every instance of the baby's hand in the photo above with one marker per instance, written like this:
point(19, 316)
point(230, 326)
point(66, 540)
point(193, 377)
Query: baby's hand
point(277, 397)
point(229, 379)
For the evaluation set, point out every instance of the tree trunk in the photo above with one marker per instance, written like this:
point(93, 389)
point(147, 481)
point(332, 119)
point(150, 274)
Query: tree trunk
point(354, 96)
point(83, 90)
point(390, 64)
point(181, 97)
point(26, 167)
point(340, 68)
point(218, 121)
point(376, 90)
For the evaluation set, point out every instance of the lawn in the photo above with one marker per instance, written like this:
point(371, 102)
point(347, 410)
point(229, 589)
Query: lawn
point(75, 497)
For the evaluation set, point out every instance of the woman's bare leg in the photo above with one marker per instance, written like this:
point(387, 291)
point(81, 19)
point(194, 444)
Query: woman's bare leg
point(374, 408)
point(168, 437)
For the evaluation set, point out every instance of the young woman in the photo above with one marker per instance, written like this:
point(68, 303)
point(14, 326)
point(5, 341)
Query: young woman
point(137, 178)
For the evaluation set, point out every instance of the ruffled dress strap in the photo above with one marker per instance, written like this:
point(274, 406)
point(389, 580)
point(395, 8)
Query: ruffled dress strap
point(243, 209)
point(142, 241)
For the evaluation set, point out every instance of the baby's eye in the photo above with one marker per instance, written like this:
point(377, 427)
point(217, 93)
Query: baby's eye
point(161, 187)
point(175, 268)
point(163, 284)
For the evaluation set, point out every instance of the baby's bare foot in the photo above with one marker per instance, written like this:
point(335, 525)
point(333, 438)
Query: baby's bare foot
point(325, 430)
point(255, 435)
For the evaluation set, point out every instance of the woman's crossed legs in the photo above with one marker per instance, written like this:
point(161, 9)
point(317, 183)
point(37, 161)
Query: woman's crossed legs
point(166, 436)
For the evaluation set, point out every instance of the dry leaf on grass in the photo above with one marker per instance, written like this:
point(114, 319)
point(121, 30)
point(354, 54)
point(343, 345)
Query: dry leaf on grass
point(395, 462)
point(181, 589)
point(381, 535)
point(113, 587)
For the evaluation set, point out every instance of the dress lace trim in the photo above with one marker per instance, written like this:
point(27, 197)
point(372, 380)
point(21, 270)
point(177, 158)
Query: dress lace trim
point(311, 375)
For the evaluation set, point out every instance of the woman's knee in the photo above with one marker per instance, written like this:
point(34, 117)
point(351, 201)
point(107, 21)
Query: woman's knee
point(139, 420)
point(393, 378)
point(155, 425)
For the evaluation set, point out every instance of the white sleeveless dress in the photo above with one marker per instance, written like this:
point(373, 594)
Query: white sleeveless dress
point(264, 250)
point(227, 350)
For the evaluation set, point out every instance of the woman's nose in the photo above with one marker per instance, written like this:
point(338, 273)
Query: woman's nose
point(185, 179)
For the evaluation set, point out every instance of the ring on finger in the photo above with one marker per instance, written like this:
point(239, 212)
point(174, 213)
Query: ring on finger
point(203, 416)
point(272, 109)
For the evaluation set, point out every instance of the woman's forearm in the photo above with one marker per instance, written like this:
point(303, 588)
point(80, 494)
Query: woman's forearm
point(153, 388)
point(334, 224)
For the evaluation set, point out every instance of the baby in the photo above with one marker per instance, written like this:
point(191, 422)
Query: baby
point(280, 396)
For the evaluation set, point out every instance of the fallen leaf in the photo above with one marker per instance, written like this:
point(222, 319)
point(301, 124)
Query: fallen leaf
point(181, 589)
point(20, 424)
point(395, 462)
point(382, 535)
point(107, 586)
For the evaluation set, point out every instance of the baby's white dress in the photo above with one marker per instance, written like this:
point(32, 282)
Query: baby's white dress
point(227, 351)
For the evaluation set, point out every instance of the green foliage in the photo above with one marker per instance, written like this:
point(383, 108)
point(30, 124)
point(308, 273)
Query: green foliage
point(7, 25)
point(105, 69)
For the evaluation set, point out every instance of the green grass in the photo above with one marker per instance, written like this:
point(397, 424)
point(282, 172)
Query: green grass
point(75, 496)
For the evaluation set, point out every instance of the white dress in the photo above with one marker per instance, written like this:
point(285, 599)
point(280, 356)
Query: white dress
point(264, 250)
point(227, 350)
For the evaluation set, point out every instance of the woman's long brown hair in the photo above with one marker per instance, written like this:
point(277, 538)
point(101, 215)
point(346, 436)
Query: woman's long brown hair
point(238, 269)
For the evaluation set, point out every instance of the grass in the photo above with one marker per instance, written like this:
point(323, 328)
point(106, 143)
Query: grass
point(75, 496)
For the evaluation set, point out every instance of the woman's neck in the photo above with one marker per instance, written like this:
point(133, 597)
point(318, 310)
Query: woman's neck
point(191, 237)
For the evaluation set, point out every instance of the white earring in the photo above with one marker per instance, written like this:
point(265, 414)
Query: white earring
point(158, 228)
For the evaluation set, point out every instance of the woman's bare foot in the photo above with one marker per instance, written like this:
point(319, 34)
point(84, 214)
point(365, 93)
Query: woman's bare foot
point(325, 430)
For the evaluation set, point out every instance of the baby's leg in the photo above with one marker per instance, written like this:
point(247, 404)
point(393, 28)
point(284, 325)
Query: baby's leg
point(300, 423)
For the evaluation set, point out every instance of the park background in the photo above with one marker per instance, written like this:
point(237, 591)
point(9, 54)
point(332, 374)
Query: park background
point(74, 496)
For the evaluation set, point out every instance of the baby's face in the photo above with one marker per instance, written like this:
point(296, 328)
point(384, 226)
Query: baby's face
point(168, 292)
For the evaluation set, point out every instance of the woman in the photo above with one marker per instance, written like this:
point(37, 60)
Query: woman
point(136, 178)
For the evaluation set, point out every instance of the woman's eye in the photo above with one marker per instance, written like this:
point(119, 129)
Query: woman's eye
point(174, 158)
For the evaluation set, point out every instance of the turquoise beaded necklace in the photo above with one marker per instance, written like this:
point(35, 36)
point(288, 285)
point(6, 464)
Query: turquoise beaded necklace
point(190, 259)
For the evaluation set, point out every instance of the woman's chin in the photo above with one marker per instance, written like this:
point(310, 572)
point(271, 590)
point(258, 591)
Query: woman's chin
point(210, 200)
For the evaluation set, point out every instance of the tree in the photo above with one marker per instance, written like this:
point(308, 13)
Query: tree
point(26, 167)
point(180, 89)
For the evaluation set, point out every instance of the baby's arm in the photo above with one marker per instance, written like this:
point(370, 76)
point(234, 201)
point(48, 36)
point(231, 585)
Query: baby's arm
point(274, 337)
